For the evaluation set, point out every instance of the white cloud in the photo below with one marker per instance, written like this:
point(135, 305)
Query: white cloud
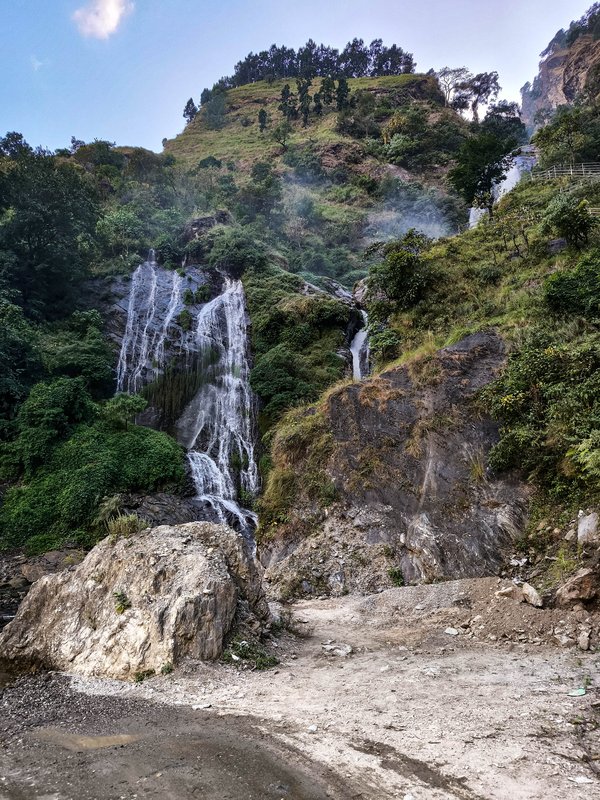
point(101, 18)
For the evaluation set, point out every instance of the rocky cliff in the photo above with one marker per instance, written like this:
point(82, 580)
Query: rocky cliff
point(396, 487)
point(566, 71)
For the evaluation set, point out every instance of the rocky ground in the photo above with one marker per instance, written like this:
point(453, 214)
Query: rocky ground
point(425, 692)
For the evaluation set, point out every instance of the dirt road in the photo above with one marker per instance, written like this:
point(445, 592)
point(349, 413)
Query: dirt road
point(427, 693)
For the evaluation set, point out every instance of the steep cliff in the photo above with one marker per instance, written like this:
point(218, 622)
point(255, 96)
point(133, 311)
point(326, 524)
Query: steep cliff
point(387, 481)
point(568, 68)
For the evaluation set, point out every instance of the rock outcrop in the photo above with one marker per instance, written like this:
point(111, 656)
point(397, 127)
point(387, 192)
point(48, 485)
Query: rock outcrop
point(563, 75)
point(415, 500)
point(136, 604)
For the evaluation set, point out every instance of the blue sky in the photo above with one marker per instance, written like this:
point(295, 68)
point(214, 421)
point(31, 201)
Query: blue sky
point(123, 69)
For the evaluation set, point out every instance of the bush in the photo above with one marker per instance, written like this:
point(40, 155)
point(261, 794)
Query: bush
point(125, 526)
point(234, 252)
point(548, 404)
point(576, 291)
point(60, 500)
point(570, 218)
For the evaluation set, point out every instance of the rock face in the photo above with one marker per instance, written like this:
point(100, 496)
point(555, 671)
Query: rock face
point(137, 604)
point(562, 76)
point(415, 499)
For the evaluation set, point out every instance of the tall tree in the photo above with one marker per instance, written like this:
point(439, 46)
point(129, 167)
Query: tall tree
point(262, 120)
point(190, 110)
point(450, 79)
point(303, 85)
point(47, 228)
point(342, 94)
point(482, 162)
point(482, 88)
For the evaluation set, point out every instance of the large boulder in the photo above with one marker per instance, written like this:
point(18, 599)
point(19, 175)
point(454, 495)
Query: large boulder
point(136, 604)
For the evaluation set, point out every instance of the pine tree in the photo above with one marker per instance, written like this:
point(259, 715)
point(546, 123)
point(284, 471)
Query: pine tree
point(190, 110)
point(342, 94)
point(287, 106)
point(303, 85)
point(262, 120)
point(327, 90)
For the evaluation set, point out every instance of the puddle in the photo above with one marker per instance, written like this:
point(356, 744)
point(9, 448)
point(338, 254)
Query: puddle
point(71, 741)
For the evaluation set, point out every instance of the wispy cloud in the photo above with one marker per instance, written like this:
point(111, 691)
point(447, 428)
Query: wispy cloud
point(36, 64)
point(101, 18)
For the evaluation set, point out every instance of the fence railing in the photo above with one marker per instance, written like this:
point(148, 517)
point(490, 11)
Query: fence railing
point(595, 212)
point(575, 171)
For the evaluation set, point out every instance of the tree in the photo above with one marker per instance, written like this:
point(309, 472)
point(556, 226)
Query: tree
point(479, 90)
point(281, 134)
point(570, 218)
point(450, 79)
point(262, 120)
point(327, 90)
point(20, 363)
point(402, 277)
point(481, 163)
point(48, 214)
point(503, 120)
point(205, 97)
point(190, 110)
point(342, 94)
point(122, 409)
point(48, 415)
point(122, 230)
point(303, 85)
point(573, 134)
point(287, 106)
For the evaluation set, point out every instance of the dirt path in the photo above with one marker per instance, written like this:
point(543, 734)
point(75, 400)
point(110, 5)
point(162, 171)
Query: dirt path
point(410, 712)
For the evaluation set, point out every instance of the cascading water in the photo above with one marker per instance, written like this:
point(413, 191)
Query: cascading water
point(154, 299)
point(521, 165)
point(217, 425)
point(359, 348)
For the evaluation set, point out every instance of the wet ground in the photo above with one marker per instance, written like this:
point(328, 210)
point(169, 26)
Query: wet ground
point(58, 744)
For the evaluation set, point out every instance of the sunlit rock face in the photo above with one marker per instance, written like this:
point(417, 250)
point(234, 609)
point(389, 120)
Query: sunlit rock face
point(136, 604)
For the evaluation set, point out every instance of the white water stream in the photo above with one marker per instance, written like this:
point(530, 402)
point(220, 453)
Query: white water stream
point(217, 425)
point(521, 165)
point(359, 347)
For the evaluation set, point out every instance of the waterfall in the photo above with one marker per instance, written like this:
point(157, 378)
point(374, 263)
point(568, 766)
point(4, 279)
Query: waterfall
point(217, 425)
point(521, 165)
point(359, 348)
point(154, 299)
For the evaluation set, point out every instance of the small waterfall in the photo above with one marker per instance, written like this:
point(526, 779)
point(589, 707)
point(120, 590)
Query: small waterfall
point(217, 425)
point(521, 165)
point(154, 299)
point(359, 348)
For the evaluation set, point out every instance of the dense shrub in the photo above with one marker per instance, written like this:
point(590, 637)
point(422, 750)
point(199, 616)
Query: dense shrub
point(548, 403)
point(576, 291)
point(59, 501)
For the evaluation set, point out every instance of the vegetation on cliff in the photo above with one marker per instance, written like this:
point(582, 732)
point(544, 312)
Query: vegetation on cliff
point(316, 169)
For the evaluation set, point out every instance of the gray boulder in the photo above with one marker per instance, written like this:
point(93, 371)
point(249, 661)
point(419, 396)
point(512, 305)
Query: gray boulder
point(136, 604)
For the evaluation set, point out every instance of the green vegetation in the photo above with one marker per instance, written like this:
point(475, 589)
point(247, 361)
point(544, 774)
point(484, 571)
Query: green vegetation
point(67, 454)
point(294, 338)
point(122, 602)
point(248, 655)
